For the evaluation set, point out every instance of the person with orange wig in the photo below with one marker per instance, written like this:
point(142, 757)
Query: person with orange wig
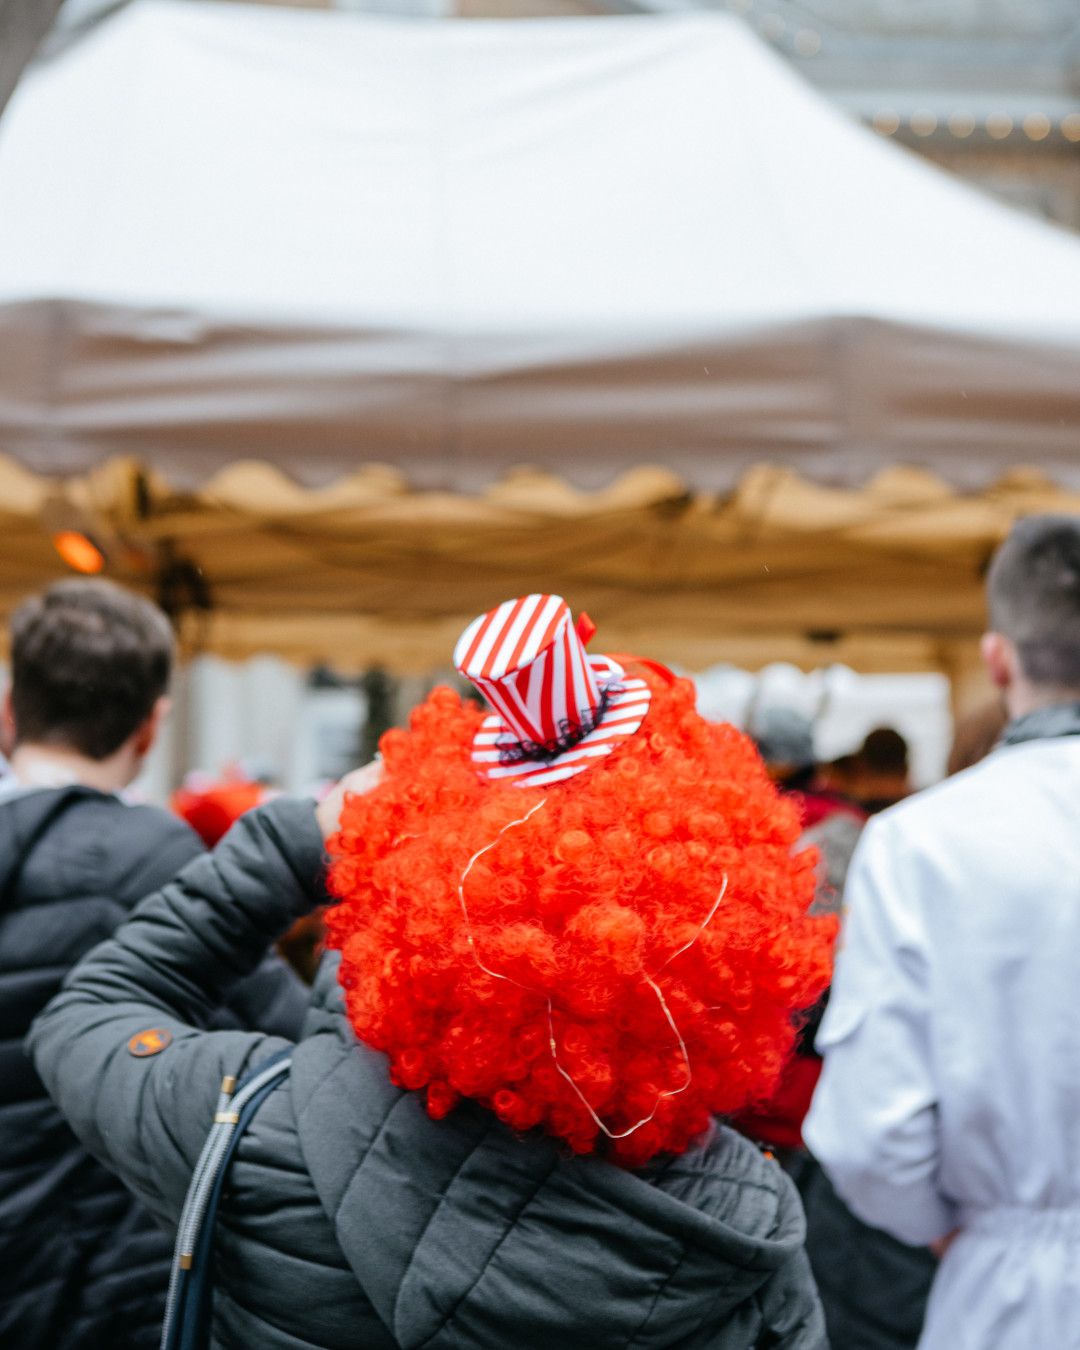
point(643, 914)
point(567, 935)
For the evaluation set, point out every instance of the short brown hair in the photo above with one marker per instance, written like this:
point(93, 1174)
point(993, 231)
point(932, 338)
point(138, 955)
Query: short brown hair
point(1034, 596)
point(88, 662)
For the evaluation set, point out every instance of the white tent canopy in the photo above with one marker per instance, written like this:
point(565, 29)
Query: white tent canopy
point(321, 240)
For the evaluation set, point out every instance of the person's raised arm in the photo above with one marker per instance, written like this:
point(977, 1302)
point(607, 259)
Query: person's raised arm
point(272, 998)
point(121, 1049)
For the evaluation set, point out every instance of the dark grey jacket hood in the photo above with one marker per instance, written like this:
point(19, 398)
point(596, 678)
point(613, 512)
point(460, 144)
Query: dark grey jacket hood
point(462, 1233)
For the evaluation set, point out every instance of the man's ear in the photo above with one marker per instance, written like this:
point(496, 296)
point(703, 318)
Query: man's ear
point(7, 723)
point(147, 734)
point(999, 658)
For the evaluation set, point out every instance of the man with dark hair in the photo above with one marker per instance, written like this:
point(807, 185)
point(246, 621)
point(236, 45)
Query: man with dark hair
point(947, 1112)
point(81, 1265)
point(90, 665)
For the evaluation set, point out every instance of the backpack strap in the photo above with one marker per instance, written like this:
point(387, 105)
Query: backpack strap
point(188, 1305)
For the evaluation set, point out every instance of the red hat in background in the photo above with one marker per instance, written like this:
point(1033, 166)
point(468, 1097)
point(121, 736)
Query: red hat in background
point(211, 807)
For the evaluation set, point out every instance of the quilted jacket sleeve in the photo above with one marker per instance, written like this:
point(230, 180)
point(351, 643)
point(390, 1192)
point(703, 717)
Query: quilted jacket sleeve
point(164, 970)
point(272, 998)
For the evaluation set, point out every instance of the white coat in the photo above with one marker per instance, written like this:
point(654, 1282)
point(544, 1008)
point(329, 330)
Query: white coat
point(950, 1095)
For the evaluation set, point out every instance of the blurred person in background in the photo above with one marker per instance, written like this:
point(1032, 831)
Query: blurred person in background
point(832, 820)
point(212, 806)
point(948, 1105)
point(882, 770)
point(838, 775)
point(82, 1266)
point(832, 824)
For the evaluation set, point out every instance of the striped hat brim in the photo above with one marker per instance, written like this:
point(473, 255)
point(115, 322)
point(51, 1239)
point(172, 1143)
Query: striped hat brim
point(626, 708)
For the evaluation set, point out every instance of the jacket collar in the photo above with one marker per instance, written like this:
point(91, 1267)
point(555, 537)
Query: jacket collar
point(1063, 719)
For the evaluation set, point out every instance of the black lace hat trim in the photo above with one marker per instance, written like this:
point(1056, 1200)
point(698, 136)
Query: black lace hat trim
point(571, 733)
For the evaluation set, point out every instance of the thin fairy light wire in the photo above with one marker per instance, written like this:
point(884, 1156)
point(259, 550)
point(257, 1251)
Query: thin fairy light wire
point(666, 1093)
point(461, 894)
point(660, 1097)
point(708, 920)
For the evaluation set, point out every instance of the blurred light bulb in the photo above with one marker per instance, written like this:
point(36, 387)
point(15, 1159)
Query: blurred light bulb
point(1036, 126)
point(79, 552)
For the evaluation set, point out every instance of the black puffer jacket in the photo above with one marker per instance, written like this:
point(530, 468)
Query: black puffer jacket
point(82, 1266)
point(352, 1219)
point(874, 1289)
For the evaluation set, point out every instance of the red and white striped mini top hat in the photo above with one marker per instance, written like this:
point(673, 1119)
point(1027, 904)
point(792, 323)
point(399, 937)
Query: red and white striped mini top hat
point(557, 709)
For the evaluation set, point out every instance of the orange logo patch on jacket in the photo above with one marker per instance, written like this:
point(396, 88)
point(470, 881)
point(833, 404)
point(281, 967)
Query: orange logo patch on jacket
point(150, 1042)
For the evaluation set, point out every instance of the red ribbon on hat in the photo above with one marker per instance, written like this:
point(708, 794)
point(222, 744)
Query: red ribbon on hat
point(585, 629)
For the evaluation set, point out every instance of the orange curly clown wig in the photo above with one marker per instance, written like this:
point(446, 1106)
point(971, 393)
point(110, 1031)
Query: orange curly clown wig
point(620, 962)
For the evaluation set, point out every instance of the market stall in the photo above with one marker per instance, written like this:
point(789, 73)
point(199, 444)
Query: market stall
point(615, 306)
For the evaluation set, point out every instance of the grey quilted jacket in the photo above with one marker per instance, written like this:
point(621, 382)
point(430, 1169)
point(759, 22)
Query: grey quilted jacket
point(354, 1221)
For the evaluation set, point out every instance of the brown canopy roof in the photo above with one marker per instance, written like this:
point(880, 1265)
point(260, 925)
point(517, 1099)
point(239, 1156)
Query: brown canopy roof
point(887, 577)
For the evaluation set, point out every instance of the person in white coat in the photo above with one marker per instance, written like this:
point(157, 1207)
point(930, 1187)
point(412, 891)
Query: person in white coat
point(948, 1111)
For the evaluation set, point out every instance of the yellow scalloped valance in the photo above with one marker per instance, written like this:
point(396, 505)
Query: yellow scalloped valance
point(368, 570)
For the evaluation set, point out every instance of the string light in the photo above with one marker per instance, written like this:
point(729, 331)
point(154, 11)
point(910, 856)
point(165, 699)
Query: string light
point(79, 552)
point(494, 974)
point(661, 1096)
point(807, 42)
point(1036, 126)
point(961, 125)
point(999, 126)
